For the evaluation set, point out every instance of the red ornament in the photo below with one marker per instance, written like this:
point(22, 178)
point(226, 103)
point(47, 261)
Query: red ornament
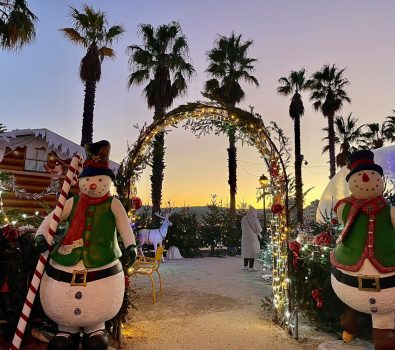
point(334, 221)
point(274, 169)
point(295, 248)
point(10, 232)
point(128, 282)
point(316, 294)
point(324, 239)
point(277, 208)
point(5, 288)
point(136, 203)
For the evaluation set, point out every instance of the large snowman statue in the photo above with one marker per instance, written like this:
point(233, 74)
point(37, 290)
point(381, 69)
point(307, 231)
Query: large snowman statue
point(83, 284)
point(363, 272)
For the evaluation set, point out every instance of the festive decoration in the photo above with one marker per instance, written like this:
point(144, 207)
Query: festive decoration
point(201, 119)
point(10, 233)
point(88, 243)
point(17, 261)
point(154, 236)
point(322, 239)
point(316, 294)
point(274, 170)
point(52, 226)
point(136, 203)
point(277, 208)
point(363, 273)
point(295, 248)
point(10, 184)
point(5, 288)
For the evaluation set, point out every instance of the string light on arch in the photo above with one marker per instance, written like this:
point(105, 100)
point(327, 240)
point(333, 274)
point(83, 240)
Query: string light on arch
point(203, 115)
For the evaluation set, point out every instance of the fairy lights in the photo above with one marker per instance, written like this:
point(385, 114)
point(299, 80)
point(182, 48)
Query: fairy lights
point(255, 133)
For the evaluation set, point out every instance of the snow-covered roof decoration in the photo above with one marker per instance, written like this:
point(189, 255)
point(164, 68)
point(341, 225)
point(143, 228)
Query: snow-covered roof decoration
point(63, 147)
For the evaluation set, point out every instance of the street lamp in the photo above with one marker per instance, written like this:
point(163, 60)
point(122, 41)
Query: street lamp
point(264, 181)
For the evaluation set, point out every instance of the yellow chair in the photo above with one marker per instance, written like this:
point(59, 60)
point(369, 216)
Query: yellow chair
point(147, 266)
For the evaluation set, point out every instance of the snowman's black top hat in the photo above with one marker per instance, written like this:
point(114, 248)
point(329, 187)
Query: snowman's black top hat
point(97, 156)
point(362, 160)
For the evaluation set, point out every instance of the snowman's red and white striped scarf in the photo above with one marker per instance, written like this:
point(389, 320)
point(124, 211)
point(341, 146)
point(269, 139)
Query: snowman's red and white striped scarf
point(368, 207)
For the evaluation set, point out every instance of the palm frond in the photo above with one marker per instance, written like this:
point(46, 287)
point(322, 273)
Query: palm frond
point(74, 36)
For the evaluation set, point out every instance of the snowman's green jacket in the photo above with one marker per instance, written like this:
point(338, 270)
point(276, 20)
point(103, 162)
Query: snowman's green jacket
point(351, 252)
point(100, 245)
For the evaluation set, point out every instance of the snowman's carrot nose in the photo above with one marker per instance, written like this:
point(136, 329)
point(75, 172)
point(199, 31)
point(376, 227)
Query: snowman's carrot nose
point(94, 186)
point(365, 178)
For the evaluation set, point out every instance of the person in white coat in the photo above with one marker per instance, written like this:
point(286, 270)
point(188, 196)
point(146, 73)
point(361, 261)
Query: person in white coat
point(250, 231)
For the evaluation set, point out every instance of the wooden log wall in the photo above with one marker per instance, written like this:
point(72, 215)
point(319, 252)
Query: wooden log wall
point(13, 163)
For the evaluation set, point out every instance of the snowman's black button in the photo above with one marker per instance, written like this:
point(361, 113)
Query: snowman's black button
point(373, 309)
point(78, 295)
point(372, 300)
point(77, 311)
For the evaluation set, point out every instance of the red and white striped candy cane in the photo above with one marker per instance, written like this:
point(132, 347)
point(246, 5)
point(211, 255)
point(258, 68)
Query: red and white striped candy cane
point(71, 178)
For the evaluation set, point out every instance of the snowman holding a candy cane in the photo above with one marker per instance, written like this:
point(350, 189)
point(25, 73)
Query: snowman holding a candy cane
point(83, 284)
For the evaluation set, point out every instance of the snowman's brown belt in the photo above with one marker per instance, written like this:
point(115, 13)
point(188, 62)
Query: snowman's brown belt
point(364, 282)
point(81, 277)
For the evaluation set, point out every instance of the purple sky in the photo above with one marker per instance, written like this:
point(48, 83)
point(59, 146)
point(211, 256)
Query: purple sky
point(40, 86)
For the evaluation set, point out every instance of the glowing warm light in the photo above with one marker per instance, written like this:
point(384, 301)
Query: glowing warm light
point(255, 131)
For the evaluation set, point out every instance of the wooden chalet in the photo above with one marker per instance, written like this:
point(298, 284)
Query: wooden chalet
point(38, 160)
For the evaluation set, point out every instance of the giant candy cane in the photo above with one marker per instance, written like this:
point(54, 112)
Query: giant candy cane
point(71, 179)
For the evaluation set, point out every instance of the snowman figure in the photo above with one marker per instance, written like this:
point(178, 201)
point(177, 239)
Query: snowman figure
point(83, 284)
point(363, 261)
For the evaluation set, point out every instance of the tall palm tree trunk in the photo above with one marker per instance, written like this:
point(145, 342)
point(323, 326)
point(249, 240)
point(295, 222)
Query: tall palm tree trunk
point(298, 172)
point(158, 166)
point(331, 140)
point(232, 165)
point(87, 116)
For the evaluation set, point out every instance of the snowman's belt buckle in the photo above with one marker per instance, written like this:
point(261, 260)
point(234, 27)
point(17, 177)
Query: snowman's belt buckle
point(79, 278)
point(369, 283)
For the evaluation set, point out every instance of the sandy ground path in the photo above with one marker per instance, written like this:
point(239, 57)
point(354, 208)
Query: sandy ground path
point(208, 303)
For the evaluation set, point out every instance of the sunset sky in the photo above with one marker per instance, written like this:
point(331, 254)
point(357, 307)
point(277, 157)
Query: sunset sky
point(40, 87)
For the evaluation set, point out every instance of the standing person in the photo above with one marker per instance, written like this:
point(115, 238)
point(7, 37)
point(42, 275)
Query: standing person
point(250, 231)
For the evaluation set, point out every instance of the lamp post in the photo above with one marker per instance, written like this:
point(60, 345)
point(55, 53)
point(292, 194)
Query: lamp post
point(264, 181)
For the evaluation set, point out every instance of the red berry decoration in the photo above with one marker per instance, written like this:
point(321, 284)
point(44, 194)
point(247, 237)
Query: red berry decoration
point(136, 203)
point(334, 221)
point(277, 208)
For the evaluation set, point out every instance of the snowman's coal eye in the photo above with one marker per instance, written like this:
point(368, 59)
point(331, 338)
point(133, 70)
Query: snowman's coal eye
point(372, 172)
point(359, 174)
point(87, 179)
point(100, 180)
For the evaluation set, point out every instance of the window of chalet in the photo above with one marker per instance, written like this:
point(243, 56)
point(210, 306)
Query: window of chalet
point(35, 159)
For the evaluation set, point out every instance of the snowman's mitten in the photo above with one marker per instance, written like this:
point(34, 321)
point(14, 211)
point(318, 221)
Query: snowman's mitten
point(131, 254)
point(40, 243)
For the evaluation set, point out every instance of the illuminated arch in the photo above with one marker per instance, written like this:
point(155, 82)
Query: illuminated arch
point(255, 132)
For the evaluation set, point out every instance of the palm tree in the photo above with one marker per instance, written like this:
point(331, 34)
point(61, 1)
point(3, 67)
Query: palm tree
point(390, 127)
point(347, 133)
point(162, 61)
point(16, 24)
point(328, 95)
point(374, 136)
point(293, 85)
point(92, 33)
point(228, 64)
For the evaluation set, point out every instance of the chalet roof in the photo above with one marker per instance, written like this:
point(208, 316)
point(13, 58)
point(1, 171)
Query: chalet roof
point(63, 147)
